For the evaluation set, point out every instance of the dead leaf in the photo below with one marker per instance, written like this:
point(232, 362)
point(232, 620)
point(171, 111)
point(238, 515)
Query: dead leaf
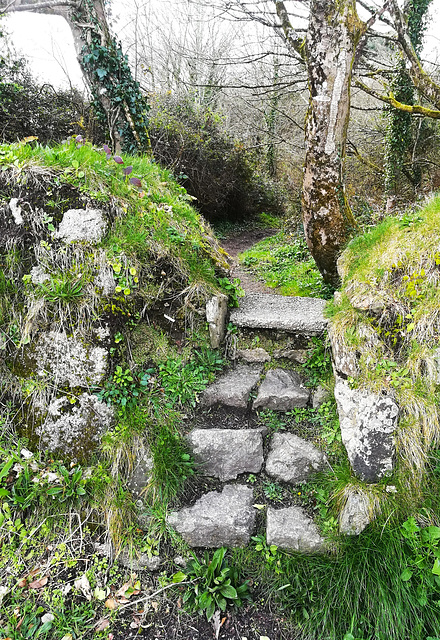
point(22, 583)
point(102, 624)
point(111, 604)
point(155, 605)
point(83, 585)
point(68, 636)
point(39, 584)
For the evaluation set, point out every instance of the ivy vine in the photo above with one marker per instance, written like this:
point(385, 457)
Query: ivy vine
point(400, 133)
point(117, 97)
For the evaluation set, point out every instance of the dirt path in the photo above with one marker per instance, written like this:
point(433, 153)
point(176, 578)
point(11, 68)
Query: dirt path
point(237, 243)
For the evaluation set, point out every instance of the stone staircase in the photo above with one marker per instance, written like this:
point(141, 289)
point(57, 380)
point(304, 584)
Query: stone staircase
point(228, 518)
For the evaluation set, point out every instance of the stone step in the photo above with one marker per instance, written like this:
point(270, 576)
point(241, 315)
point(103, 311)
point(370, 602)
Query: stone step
point(301, 316)
point(226, 453)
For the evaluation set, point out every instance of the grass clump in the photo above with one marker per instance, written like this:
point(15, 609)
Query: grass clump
point(284, 262)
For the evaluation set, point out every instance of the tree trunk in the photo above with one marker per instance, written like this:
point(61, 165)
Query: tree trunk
point(333, 34)
point(117, 98)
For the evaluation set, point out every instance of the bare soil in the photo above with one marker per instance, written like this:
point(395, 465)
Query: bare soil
point(235, 244)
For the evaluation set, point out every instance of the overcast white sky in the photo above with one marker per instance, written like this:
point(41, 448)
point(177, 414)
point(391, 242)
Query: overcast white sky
point(48, 44)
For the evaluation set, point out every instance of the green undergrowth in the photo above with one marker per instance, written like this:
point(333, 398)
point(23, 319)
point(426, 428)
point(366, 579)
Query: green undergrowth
point(283, 262)
point(387, 316)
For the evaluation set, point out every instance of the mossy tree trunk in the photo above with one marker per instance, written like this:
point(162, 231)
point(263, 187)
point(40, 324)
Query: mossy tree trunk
point(117, 97)
point(332, 38)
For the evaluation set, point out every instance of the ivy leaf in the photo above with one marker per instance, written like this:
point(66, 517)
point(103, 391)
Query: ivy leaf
point(406, 575)
point(101, 73)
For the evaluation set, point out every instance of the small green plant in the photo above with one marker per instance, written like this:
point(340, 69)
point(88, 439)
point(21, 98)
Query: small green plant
point(273, 491)
point(318, 366)
point(233, 290)
point(329, 420)
point(214, 584)
point(71, 487)
point(62, 289)
point(269, 553)
point(27, 622)
point(124, 388)
point(423, 559)
point(395, 375)
point(252, 479)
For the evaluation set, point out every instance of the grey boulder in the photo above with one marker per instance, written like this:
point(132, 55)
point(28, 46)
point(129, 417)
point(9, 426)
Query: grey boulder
point(217, 519)
point(368, 422)
point(281, 390)
point(225, 453)
point(291, 529)
point(292, 459)
point(253, 355)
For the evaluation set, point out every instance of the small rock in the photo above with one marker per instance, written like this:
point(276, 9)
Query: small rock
point(300, 356)
point(253, 355)
point(437, 364)
point(180, 561)
point(292, 529)
point(82, 225)
point(225, 453)
point(140, 477)
point(16, 211)
point(281, 390)
point(216, 312)
point(344, 357)
point(217, 519)
point(292, 459)
point(142, 562)
point(355, 515)
point(38, 275)
point(233, 388)
point(320, 396)
point(368, 422)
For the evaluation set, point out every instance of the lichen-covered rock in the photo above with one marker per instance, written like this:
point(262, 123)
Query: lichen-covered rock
point(294, 355)
point(355, 515)
point(105, 280)
point(344, 357)
point(70, 362)
point(82, 225)
point(234, 387)
point(217, 519)
point(216, 312)
point(292, 459)
point(437, 364)
point(38, 275)
point(368, 422)
point(291, 529)
point(140, 562)
point(74, 429)
point(281, 390)
point(225, 453)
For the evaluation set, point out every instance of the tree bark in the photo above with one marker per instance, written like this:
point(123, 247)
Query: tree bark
point(104, 67)
point(333, 35)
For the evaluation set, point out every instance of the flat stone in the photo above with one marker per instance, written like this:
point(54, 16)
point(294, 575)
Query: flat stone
point(217, 519)
point(82, 225)
point(216, 312)
point(225, 453)
point(233, 388)
point(355, 515)
point(292, 529)
point(281, 390)
point(368, 422)
point(292, 459)
point(253, 355)
point(267, 311)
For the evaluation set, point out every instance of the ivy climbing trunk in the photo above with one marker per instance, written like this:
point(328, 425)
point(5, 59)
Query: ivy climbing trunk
point(332, 38)
point(117, 97)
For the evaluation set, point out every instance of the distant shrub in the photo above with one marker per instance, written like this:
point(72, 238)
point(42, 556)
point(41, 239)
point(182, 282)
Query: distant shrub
point(214, 168)
point(28, 108)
